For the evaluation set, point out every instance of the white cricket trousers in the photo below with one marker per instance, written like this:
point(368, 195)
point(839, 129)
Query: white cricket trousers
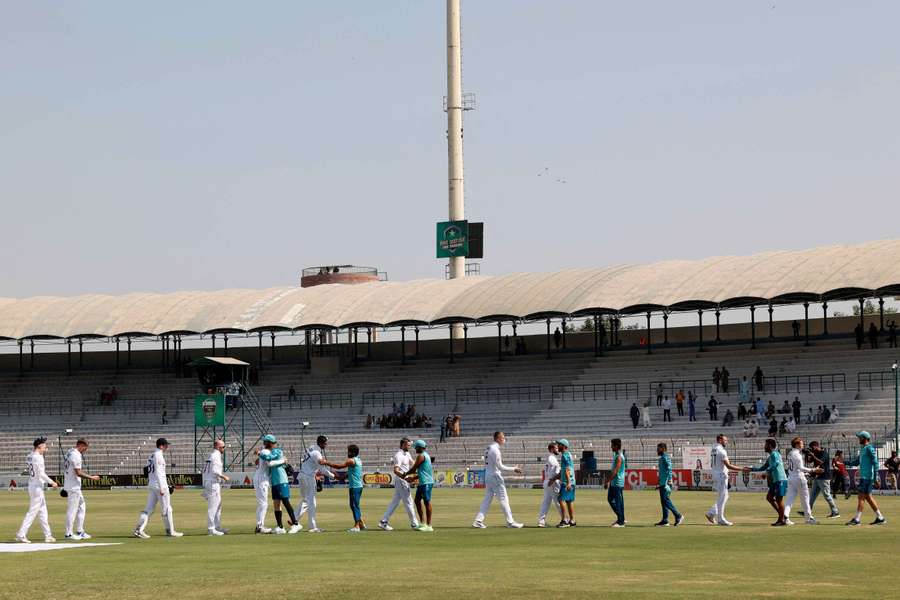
point(262, 501)
point(720, 486)
point(494, 486)
point(165, 509)
point(75, 512)
point(213, 495)
point(37, 507)
point(308, 504)
point(402, 495)
point(797, 486)
point(551, 499)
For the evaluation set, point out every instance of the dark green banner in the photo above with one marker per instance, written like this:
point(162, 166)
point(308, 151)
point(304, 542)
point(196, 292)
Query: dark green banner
point(452, 239)
point(209, 411)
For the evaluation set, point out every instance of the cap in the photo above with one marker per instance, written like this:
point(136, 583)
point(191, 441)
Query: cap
point(864, 434)
point(40, 440)
point(563, 442)
point(162, 442)
point(270, 438)
point(420, 444)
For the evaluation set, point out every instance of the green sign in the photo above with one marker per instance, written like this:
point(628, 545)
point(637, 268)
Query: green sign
point(209, 411)
point(452, 239)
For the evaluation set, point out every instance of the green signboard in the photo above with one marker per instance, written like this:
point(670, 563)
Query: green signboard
point(209, 411)
point(452, 239)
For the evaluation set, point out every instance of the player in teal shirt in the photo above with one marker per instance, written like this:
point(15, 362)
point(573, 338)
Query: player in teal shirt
point(664, 467)
point(615, 495)
point(868, 471)
point(566, 483)
point(354, 466)
point(281, 489)
point(421, 470)
point(777, 479)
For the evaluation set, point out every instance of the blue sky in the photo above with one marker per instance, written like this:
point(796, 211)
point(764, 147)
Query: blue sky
point(207, 145)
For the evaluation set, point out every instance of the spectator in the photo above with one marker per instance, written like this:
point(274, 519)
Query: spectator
point(679, 402)
point(773, 427)
point(834, 415)
point(893, 470)
point(728, 420)
point(826, 415)
point(860, 335)
point(667, 409)
point(457, 425)
point(645, 413)
point(165, 417)
point(796, 406)
point(822, 482)
point(782, 427)
point(748, 428)
point(810, 418)
point(659, 394)
point(785, 408)
point(114, 394)
point(506, 343)
point(758, 378)
point(819, 415)
point(692, 406)
point(841, 475)
point(725, 380)
point(369, 420)
point(873, 336)
point(741, 411)
point(770, 410)
point(717, 379)
point(892, 334)
point(760, 407)
point(795, 326)
point(713, 408)
point(292, 393)
point(635, 414)
point(443, 430)
point(791, 426)
point(744, 389)
point(557, 338)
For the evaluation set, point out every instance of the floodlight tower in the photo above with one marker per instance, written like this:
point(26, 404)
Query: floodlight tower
point(455, 127)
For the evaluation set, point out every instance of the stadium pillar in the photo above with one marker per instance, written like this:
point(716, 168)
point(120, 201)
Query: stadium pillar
point(825, 318)
point(596, 333)
point(881, 313)
point(273, 346)
point(162, 352)
point(353, 332)
point(771, 328)
point(752, 326)
point(31, 343)
point(308, 350)
point(806, 321)
point(564, 332)
point(700, 328)
point(548, 339)
point(499, 340)
point(451, 342)
point(649, 337)
point(665, 327)
point(896, 406)
point(403, 344)
point(719, 314)
point(69, 356)
point(225, 343)
point(213, 344)
point(862, 320)
point(128, 362)
point(259, 349)
point(368, 343)
point(417, 340)
point(117, 355)
point(465, 339)
point(80, 352)
point(21, 358)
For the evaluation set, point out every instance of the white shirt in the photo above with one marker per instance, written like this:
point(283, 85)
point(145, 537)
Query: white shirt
point(403, 461)
point(719, 458)
point(667, 404)
point(73, 461)
point(37, 476)
point(796, 467)
point(493, 462)
point(156, 470)
point(311, 459)
point(262, 472)
point(551, 469)
point(213, 469)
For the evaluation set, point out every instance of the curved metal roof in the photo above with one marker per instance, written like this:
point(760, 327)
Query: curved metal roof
point(826, 273)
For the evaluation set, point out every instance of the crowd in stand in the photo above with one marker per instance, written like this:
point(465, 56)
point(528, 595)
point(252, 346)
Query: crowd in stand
point(400, 417)
point(873, 334)
point(107, 396)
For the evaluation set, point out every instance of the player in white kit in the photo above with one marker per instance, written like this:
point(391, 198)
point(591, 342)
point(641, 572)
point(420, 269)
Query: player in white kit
point(797, 483)
point(551, 486)
point(76, 508)
point(313, 462)
point(157, 493)
point(720, 467)
point(37, 504)
point(261, 485)
point(401, 464)
point(213, 477)
point(494, 484)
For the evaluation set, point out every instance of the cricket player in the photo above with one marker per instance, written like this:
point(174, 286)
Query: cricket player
point(551, 487)
point(720, 467)
point(401, 464)
point(313, 462)
point(666, 483)
point(776, 478)
point(72, 486)
point(157, 493)
point(494, 484)
point(213, 477)
point(422, 472)
point(37, 504)
point(354, 466)
point(262, 484)
point(281, 488)
point(566, 483)
point(867, 461)
point(614, 494)
point(797, 483)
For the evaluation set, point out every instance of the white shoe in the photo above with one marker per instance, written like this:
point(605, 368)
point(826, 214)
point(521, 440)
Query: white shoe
point(22, 539)
point(353, 530)
point(83, 536)
point(724, 523)
point(263, 530)
point(215, 532)
point(49, 539)
point(542, 524)
point(479, 525)
point(140, 534)
point(617, 524)
point(788, 522)
point(175, 534)
point(383, 525)
point(514, 525)
point(812, 521)
point(316, 530)
point(295, 528)
point(279, 531)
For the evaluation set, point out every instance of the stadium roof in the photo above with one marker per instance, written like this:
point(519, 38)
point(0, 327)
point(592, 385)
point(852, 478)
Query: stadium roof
point(827, 273)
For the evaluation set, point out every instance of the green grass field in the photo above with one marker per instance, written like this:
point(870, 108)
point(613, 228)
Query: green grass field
point(692, 561)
